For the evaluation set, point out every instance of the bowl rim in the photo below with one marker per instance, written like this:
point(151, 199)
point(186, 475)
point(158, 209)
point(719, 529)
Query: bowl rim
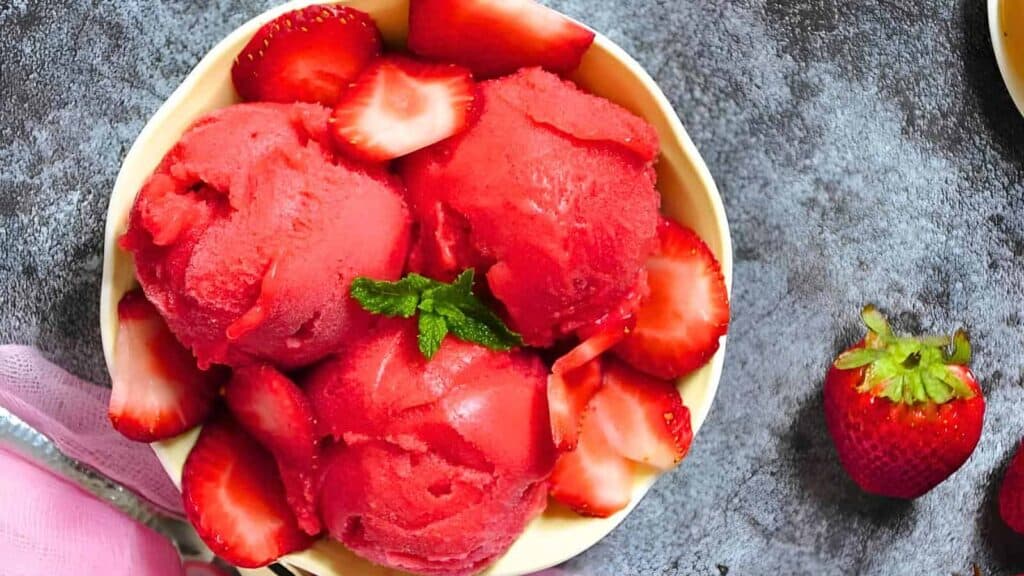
point(170, 451)
point(1014, 82)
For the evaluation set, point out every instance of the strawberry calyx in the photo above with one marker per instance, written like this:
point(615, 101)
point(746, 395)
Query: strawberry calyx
point(907, 369)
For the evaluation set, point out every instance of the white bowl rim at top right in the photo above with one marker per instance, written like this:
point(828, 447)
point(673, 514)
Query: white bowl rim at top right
point(1013, 81)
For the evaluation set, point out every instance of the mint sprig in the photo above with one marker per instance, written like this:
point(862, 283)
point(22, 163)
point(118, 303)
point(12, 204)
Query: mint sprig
point(442, 308)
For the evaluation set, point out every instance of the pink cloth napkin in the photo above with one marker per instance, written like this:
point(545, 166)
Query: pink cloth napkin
point(73, 414)
point(51, 527)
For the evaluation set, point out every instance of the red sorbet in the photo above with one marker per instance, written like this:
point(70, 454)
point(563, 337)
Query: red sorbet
point(247, 236)
point(443, 462)
point(551, 193)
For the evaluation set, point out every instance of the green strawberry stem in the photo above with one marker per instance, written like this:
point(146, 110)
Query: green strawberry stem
point(908, 369)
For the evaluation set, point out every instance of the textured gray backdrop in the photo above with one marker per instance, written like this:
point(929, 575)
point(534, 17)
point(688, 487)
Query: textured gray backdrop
point(866, 151)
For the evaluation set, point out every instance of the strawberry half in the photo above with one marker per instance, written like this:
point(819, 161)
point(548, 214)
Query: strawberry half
point(235, 500)
point(679, 327)
point(1011, 493)
point(306, 55)
point(398, 106)
point(594, 479)
point(278, 415)
point(158, 391)
point(495, 38)
point(642, 418)
point(904, 413)
point(568, 396)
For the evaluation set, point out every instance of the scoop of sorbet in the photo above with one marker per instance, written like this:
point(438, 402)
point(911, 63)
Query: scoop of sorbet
point(551, 192)
point(443, 463)
point(247, 236)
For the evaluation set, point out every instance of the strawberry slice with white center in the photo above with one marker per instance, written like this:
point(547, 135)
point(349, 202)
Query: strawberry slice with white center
point(278, 415)
point(594, 479)
point(568, 396)
point(679, 327)
point(398, 106)
point(576, 376)
point(158, 391)
point(642, 418)
point(307, 55)
point(234, 498)
point(496, 37)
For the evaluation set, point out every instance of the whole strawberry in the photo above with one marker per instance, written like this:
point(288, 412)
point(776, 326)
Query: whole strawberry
point(1011, 493)
point(904, 413)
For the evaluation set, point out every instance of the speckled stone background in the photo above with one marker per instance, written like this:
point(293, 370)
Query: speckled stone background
point(866, 151)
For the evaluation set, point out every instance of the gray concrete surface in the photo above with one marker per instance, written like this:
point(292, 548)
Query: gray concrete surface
point(866, 151)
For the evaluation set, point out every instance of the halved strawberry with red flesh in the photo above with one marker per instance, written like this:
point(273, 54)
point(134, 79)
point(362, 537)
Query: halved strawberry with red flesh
point(235, 500)
point(274, 410)
point(642, 418)
point(398, 106)
point(568, 396)
point(679, 327)
point(158, 391)
point(594, 479)
point(306, 55)
point(278, 415)
point(495, 38)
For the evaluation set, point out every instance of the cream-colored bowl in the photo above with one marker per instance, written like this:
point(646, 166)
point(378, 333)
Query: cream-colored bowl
point(1013, 78)
point(689, 193)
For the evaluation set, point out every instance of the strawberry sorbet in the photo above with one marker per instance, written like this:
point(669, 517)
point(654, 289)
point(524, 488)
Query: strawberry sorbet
point(248, 234)
point(443, 462)
point(551, 192)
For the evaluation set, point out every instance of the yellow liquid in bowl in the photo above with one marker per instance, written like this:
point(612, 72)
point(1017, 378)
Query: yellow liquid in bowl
point(1011, 20)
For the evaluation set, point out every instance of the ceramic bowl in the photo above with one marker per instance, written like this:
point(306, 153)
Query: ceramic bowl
point(1012, 77)
point(689, 193)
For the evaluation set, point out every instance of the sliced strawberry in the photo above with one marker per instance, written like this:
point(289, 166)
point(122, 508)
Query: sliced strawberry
point(234, 498)
point(307, 55)
point(568, 396)
point(274, 410)
point(495, 38)
point(605, 332)
point(398, 106)
point(277, 413)
point(679, 327)
point(593, 479)
point(643, 418)
point(158, 391)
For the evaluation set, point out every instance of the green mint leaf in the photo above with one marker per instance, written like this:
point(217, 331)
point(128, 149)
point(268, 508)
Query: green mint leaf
point(468, 319)
point(459, 292)
point(464, 283)
point(433, 329)
point(399, 298)
point(442, 309)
